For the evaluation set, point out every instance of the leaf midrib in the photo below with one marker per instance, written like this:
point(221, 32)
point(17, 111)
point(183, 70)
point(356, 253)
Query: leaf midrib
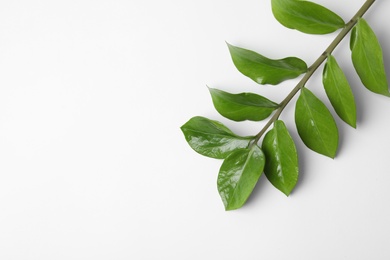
point(283, 68)
point(251, 151)
point(206, 133)
point(362, 50)
point(315, 124)
point(278, 151)
point(248, 105)
point(260, 61)
point(340, 97)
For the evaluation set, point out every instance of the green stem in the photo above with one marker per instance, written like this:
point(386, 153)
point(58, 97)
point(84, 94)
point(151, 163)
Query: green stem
point(310, 71)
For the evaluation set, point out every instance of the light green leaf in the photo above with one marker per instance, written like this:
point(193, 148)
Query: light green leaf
point(281, 165)
point(243, 106)
point(339, 91)
point(238, 176)
point(315, 124)
point(264, 70)
point(211, 138)
point(367, 58)
point(306, 16)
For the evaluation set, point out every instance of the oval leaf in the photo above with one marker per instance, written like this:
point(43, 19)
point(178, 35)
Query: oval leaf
point(238, 176)
point(281, 166)
point(243, 106)
point(339, 91)
point(211, 138)
point(306, 16)
point(367, 58)
point(315, 124)
point(264, 70)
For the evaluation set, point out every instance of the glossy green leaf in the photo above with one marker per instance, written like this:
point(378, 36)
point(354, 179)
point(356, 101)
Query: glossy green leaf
point(306, 16)
point(238, 176)
point(264, 70)
point(211, 138)
point(243, 106)
point(367, 58)
point(315, 124)
point(281, 166)
point(339, 91)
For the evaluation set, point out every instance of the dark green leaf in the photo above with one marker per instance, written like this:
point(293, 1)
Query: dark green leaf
point(306, 16)
point(264, 70)
point(243, 106)
point(211, 138)
point(339, 92)
point(238, 176)
point(316, 125)
point(367, 58)
point(281, 165)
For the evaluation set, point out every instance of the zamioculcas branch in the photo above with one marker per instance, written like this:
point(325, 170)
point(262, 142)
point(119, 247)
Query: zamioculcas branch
point(244, 158)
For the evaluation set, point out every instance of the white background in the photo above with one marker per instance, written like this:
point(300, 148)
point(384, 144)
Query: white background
point(93, 164)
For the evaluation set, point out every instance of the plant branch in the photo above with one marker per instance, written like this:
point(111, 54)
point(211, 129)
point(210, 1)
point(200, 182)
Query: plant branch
point(310, 71)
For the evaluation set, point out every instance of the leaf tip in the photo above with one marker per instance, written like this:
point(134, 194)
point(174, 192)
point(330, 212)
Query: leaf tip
point(231, 208)
point(351, 122)
point(330, 154)
point(286, 190)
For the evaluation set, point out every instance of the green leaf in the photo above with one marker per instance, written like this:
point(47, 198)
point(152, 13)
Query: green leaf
point(243, 106)
point(367, 58)
point(339, 91)
point(315, 124)
point(211, 138)
point(238, 176)
point(281, 166)
point(264, 70)
point(306, 16)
